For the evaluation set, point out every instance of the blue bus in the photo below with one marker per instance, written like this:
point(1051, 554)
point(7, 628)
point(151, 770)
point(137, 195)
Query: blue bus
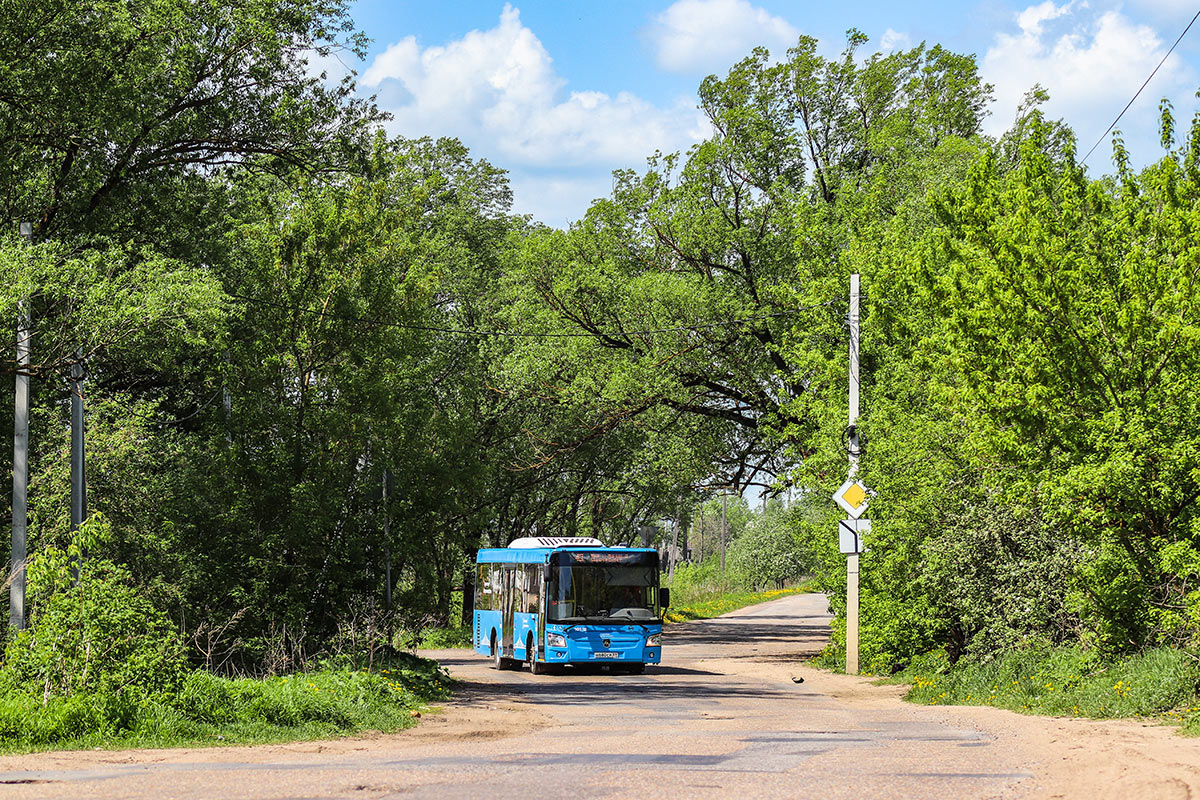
point(557, 600)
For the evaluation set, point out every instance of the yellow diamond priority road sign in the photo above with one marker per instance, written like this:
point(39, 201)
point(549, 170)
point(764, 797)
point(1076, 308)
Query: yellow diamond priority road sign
point(853, 497)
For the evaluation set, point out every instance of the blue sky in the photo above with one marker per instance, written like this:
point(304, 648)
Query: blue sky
point(562, 93)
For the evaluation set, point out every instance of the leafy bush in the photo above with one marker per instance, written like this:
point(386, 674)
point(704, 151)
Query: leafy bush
point(1063, 681)
point(999, 578)
point(768, 553)
point(100, 664)
point(95, 636)
point(697, 582)
point(440, 638)
point(207, 709)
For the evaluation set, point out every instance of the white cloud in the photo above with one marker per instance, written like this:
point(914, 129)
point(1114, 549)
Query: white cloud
point(559, 199)
point(893, 40)
point(497, 90)
point(1030, 20)
point(451, 88)
point(1092, 65)
point(710, 35)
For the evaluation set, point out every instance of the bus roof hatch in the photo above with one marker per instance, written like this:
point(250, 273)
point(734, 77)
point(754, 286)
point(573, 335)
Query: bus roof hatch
point(557, 541)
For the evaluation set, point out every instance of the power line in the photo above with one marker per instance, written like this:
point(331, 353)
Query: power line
point(178, 420)
point(1139, 91)
point(525, 334)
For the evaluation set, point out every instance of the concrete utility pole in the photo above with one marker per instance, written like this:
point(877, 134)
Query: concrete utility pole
point(674, 546)
point(724, 500)
point(852, 558)
point(20, 506)
point(386, 491)
point(78, 466)
point(227, 402)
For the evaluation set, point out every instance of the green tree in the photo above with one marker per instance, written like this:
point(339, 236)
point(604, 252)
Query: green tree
point(112, 112)
point(768, 553)
point(1070, 310)
point(709, 285)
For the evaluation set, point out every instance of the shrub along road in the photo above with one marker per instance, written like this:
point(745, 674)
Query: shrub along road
point(724, 716)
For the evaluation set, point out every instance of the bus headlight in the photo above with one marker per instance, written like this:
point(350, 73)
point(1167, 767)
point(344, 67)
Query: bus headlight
point(556, 640)
point(654, 640)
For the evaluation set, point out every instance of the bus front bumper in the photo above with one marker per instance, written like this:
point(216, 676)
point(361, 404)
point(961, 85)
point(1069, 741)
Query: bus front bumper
point(604, 647)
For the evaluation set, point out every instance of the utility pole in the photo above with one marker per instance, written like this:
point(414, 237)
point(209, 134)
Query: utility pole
point(20, 502)
point(724, 499)
point(227, 402)
point(385, 493)
point(78, 474)
point(852, 558)
point(674, 545)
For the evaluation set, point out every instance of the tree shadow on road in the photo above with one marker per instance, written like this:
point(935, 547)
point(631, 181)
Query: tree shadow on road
point(571, 688)
point(711, 633)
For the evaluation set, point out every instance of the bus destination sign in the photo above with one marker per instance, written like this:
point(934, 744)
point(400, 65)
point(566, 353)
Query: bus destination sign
point(605, 558)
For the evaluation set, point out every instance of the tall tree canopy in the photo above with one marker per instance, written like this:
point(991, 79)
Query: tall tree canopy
point(107, 107)
point(710, 286)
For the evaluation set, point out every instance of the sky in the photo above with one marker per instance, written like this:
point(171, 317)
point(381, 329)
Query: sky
point(562, 92)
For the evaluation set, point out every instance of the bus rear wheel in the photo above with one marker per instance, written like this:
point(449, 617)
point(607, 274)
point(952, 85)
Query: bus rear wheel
point(535, 666)
point(498, 660)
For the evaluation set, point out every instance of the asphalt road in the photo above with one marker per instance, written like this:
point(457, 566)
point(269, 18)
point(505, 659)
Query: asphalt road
point(723, 716)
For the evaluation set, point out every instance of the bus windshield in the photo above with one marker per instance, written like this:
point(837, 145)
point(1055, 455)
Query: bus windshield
point(616, 593)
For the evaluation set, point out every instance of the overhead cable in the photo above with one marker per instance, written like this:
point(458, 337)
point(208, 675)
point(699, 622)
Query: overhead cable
point(528, 334)
point(1139, 91)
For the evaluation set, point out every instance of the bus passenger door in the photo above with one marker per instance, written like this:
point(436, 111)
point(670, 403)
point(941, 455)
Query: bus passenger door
point(539, 603)
point(507, 602)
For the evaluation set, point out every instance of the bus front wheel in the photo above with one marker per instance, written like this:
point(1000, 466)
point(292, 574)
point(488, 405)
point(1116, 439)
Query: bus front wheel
point(535, 666)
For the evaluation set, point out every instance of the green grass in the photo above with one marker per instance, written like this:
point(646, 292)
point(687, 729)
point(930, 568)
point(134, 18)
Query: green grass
point(701, 605)
point(210, 710)
point(690, 600)
point(440, 638)
point(715, 602)
point(1163, 683)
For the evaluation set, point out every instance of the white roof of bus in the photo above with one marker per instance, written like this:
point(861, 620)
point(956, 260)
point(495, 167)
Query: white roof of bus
point(557, 541)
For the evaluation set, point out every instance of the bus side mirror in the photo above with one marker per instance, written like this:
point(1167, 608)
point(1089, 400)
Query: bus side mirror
point(547, 572)
point(664, 597)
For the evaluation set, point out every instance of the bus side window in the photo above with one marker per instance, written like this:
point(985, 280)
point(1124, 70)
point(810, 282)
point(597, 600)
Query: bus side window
point(483, 588)
point(498, 593)
point(531, 584)
point(520, 588)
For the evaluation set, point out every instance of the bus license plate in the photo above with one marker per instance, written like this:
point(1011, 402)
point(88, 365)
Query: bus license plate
point(605, 654)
